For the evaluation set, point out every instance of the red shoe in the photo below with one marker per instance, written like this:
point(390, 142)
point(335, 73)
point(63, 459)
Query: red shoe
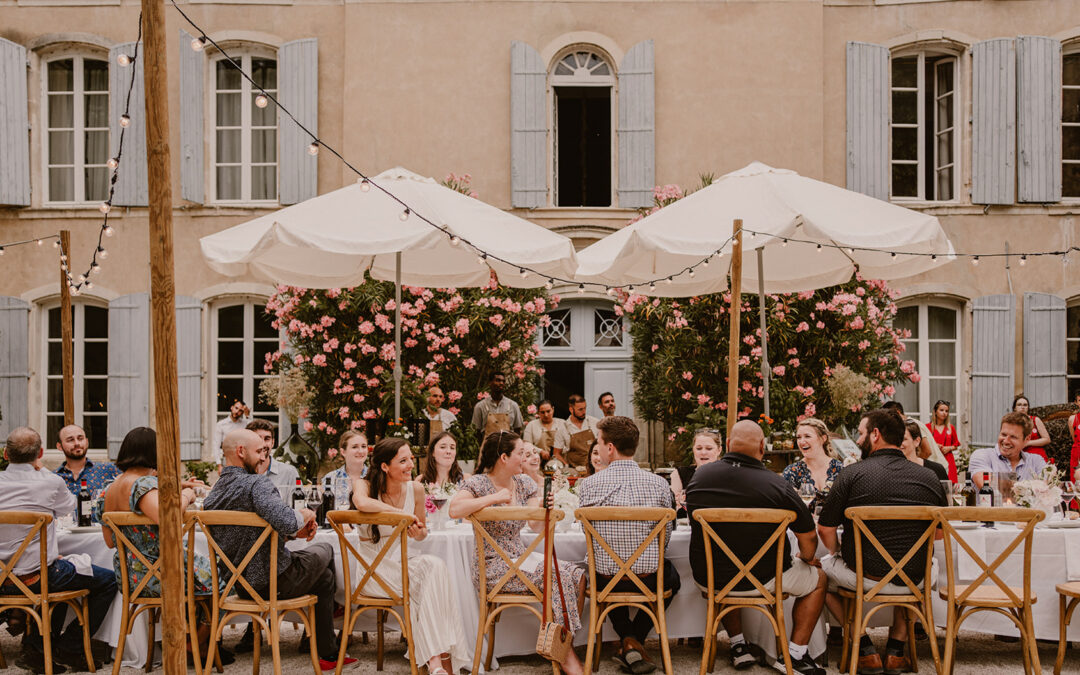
point(332, 665)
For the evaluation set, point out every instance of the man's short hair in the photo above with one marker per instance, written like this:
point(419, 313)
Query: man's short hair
point(1019, 419)
point(600, 400)
point(621, 432)
point(888, 424)
point(259, 424)
point(576, 398)
point(893, 406)
point(23, 445)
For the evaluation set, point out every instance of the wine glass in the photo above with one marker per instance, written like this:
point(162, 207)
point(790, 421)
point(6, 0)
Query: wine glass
point(807, 493)
point(1068, 493)
point(200, 495)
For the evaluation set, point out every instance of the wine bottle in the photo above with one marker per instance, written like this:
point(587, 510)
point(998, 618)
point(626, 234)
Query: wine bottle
point(986, 497)
point(327, 502)
point(84, 505)
point(299, 497)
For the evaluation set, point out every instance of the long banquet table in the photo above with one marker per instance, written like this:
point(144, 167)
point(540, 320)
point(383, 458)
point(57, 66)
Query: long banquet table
point(1055, 559)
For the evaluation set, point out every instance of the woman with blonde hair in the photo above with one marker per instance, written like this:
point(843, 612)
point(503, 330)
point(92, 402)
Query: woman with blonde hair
point(707, 448)
point(354, 450)
point(817, 466)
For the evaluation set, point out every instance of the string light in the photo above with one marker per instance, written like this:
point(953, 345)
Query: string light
point(113, 163)
point(105, 207)
point(691, 273)
point(550, 283)
point(123, 59)
point(783, 243)
point(261, 101)
point(652, 285)
point(102, 253)
point(125, 120)
point(455, 240)
point(819, 248)
point(198, 43)
point(610, 290)
point(313, 149)
point(580, 288)
point(108, 230)
point(40, 242)
point(975, 261)
point(56, 243)
point(1023, 260)
point(365, 185)
point(524, 274)
point(404, 215)
point(482, 258)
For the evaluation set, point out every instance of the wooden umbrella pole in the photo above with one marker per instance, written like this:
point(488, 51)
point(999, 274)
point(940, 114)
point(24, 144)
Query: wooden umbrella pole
point(163, 330)
point(733, 317)
point(67, 338)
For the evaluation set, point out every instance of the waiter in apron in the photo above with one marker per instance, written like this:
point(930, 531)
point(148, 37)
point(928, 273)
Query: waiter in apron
point(582, 430)
point(496, 412)
point(439, 418)
point(547, 433)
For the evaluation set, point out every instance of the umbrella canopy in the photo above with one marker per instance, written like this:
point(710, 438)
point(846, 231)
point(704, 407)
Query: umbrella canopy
point(783, 205)
point(330, 240)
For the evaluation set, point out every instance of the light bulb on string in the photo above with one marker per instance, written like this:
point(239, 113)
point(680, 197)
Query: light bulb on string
point(40, 242)
point(81, 278)
point(523, 272)
point(610, 291)
point(783, 243)
point(652, 285)
point(105, 207)
point(404, 215)
point(123, 59)
point(482, 258)
point(669, 280)
point(975, 261)
point(705, 262)
point(580, 288)
point(125, 120)
point(1, 250)
point(113, 163)
point(198, 43)
point(549, 284)
point(630, 290)
point(108, 230)
point(261, 101)
point(102, 253)
point(455, 240)
point(933, 256)
point(89, 285)
point(691, 273)
point(851, 251)
point(365, 185)
point(820, 248)
point(56, 243)
point(95, 267)
point(1023, 260)
point(313, 149)
point(893, 255)
point(63, 257)
point(74, 289)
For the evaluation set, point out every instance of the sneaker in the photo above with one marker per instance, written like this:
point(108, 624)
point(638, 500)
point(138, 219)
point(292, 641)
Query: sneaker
point(741, 656)
point(807, 665)
point(620, 658)
point(327, 666)
point(34, 661)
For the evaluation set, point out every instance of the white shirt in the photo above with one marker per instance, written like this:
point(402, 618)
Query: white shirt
point(534, 431)
point(443, 415)
point(221, 430)
point(588, 425)
point(23, 488)
point(282, 475)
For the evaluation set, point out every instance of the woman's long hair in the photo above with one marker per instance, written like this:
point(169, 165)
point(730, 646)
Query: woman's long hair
point(431, 471)
point(495, 445)
point(383, 453)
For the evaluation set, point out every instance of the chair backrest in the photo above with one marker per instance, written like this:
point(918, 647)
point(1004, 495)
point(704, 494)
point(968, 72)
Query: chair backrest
point(115, 520)
point(370, 569)
point(590, 515)
point(484, 541)
point(779, 518)
point(1026, 519)
point(204, 521)
point(39, 527)
point(860, 516)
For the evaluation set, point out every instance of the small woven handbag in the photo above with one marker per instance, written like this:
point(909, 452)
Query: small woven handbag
point(555, 640)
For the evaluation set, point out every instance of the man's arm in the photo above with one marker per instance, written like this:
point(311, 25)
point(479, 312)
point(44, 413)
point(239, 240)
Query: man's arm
point(978, 463)
point(828, 539)
point(268, 505)
point(808, 542)
point(63, 502)
point(478, 417)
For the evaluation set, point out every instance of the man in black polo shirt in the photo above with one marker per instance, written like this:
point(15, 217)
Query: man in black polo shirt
point(884, 478)
point(740, 480)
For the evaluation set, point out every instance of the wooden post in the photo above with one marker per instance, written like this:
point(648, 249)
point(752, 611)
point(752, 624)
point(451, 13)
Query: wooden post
point(67, 338)
point(163, 333)
point(733, 335)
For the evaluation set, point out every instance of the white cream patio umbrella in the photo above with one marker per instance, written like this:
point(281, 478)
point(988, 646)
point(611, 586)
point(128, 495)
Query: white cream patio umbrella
point(331, 240)
point(791, 215)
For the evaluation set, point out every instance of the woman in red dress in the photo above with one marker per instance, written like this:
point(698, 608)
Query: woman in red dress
point(1039, 437)
point(1074, 459)
point(945, 435)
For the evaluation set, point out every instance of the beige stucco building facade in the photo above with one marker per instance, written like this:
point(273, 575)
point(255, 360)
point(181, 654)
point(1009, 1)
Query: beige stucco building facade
point(673, 90)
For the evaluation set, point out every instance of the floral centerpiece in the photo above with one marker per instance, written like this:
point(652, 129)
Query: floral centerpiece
point(566, 500)
point(1042, 493)
point(436, 499)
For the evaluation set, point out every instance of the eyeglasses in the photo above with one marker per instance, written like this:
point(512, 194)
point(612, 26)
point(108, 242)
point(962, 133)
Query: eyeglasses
point(943, 402)
point(706, 430)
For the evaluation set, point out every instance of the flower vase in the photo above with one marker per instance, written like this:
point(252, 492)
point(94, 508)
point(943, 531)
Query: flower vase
point(566, 523)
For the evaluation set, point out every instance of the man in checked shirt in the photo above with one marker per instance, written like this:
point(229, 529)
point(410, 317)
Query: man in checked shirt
point(624, 483)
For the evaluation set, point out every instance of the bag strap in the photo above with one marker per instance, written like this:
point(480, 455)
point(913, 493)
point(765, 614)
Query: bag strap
point(558, 578)
point(547, 520)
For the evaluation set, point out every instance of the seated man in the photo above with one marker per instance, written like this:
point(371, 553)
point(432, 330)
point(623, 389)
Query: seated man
point(624, 483)
point(1008, 455)
point(76, 468)
point(739, 480)
point(242, 488)
point(883, 478)
point(282, 475)
point(23, 487)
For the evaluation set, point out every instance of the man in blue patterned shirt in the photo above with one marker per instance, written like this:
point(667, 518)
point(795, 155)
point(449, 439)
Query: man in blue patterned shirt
point(72, 441)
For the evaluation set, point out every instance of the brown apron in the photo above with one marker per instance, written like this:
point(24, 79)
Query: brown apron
point(435, 427)
point(578, 452)
point(496, 422)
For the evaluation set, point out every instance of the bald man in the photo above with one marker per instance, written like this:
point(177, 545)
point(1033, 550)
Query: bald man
point(740, 480)
point(73, 442)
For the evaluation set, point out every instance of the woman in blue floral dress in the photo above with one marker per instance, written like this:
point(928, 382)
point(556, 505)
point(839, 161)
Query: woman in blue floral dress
point(817, 467)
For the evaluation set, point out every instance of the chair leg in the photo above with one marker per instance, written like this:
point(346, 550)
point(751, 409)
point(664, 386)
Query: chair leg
point(782, 636)
point(931, 632)
point(478, 652)
point(950, 641)
point(491, 645)
point(151, 619)
point(913, 654)
point(1062, 638)
point(854, 628)
point(256, 652)
point(665, 648)
point(379, 618)
point(125, 628)
point(708, 639)
point(1030, 641)
point(715, 643)
point(275, 642)
point(590, 646)
point(312, 645)
point(845, 639)
point(46, 636)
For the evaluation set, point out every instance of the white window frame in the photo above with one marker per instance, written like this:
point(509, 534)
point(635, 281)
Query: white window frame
point(580, 80)
point(1073, 51)
point(247, 96)
point(1073, 304)
point(582, 334)
point(250, 378)
point(78, 129)
point(78, 369)
point(924, 341)
point(922, 126)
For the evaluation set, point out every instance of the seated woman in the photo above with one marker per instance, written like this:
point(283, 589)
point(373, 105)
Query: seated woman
point(442, 465)
point(912, 444)
point(1040, 437)
point(530, 464)
point(596, 462)
point(136, 490)
point(498, 481)
point(817, 466)
point(707, 446)
point(436, 619)
point(354, 450)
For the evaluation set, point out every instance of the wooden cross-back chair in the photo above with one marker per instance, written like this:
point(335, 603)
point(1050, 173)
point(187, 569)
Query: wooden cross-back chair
point(16, 594)
point(266, 612)
point(385, 598)
point(719, 603)
point(918, 600)
point(494, 600)
point(988, 592)
point(1068, 599)
point(603, 600)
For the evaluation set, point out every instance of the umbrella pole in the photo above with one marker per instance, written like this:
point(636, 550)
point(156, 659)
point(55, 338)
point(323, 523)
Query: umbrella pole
point(733, 318)
point(397, 337)
point(765, 371)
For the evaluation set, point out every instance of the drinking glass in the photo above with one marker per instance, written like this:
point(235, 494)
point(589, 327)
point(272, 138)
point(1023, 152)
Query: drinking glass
point(200, 495)
point(439, 517)
point(1068, 493)
point(807, 493)
point(947, 486)
point(342, 487)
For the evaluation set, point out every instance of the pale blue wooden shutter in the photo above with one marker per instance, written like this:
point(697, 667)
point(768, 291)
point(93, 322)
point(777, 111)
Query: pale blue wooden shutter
point(298, 88)
point(14, 364)
point(528, 127)
point(637, 126)
point(14, 126)
point(993, 343)
point(192, 105)
point(868, 119)
point(129, 366)
point(1044, 349)
point(189, 370)
point(131, 185)
point(993, 142)
point(1038, 65)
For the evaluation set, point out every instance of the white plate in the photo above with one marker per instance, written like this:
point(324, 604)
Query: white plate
point(81, 530)
point(1063, 524)
point(964, 526)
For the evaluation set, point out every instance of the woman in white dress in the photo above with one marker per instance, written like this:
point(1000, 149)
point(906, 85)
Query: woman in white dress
point(438, 636)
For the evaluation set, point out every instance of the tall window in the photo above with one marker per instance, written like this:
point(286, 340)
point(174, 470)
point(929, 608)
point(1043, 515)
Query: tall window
point(90, 327)
point(245, 134)
point(923, 126)
point(77, 130)
point(1070, 126)
point(582, 84)
point(934, 346)
point(1072, 349)
point(243, 337)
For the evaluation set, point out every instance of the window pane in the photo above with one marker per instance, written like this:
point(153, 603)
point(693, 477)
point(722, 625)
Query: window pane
point(907, 318)
point(95, 75)
point(904, 72)
point(557, 333)
point(61, 111)
point(1070, 142)
point(911, 352)
point(97, 146)
point(583, 145)
point(61, 147)
point(944, 77)
point(942, 359)
point(95, 394)
point(95, 322)
point(942, 323)
point(61, 185)
point(1070, 180)
point(53, 425)
point(905, 107)
point(55, 398)
point(96, 358)
point(1070, 105)
point(264, 73)
point(96, 184)
point(54, 322)
point(228, 182)
point(228, 77)
point(905, 178)
point(97, 430)
point(228, 110)
point(1070, 70)
point(905, 143)
point(258, 357)
point(61, 75)
point(231, 321)
point(945, 184)
point(230, 390)
point(96, 111)
point(230, 358)
point(607, 329)
point(263, 117)
point(1072, 357)
point(944, 113)
point(263, 329)
point(264, 182)
point(907, 393)
point(56, 363)
point(259, 405)
point(228, 146)
point(263, 146)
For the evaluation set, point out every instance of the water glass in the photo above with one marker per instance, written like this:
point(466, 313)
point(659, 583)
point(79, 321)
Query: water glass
point(947, 486)
point(342, 486)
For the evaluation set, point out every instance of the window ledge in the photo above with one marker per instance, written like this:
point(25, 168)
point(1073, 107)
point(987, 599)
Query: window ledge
point(581, 213)
point(67, 3)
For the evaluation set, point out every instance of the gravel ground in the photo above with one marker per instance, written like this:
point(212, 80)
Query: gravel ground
point(977, 654)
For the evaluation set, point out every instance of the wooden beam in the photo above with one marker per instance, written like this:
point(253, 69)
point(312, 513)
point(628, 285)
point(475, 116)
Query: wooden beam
point(163, 333)
point(67, 337)
point(733, 335)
